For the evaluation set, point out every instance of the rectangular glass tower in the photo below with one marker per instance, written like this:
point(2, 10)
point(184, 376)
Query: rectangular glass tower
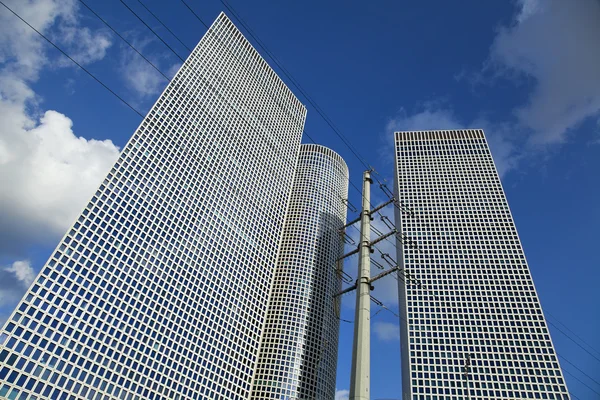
point(475, 329)
point(160, 288)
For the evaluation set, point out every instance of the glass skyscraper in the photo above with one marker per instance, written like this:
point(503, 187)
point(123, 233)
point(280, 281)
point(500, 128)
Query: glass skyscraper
point(474, 329)
point(298, 353)
point(160, 289)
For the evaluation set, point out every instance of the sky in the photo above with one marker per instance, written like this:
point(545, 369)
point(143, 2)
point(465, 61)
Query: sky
point(526, 71)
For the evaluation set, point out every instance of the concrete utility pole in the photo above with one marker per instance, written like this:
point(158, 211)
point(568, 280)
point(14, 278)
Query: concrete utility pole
point(360, 378)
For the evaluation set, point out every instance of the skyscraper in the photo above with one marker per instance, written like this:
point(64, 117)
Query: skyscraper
point(475, 329)
point(159, 290)
point(298, 352)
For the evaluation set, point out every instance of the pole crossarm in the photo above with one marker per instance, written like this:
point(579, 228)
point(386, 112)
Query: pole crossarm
point(347, 290)
point(371, 280)
point(382, 274)
point(349, 254)
point(373, 211)
point(374, 242)
point(355, 220)
point(379, 207)
point(382, 237)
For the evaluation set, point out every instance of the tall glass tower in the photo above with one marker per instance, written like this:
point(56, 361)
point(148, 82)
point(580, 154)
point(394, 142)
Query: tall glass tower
point(160, 288)
point(475, 329)
point(298, 352)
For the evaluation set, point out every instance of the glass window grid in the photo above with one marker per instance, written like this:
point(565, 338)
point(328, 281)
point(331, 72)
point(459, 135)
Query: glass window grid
point(298, 356)
point(478, 295)
point(134, 239)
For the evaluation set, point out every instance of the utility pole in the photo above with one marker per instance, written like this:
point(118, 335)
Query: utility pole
point(360, 377)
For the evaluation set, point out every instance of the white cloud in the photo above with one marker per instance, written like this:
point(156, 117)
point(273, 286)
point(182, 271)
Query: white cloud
point(85, 46)
point(46, 171)
point(342, 394)
point(555, 43)
point(386, 331)
point(22, 271)
point(48, 174)
point(430, 118)
point(22, 51)
point(20, 46)
point(14, 280)
point(139, 76)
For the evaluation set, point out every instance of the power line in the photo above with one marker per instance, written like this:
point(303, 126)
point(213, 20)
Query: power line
point(242, 64)
point(572, 395)
point(293, 81)
point(577, 368)
point(164, 26)
point(195, 15)
point(74, 62)
point(125, 40)
point(573, 340)
point(250, 74)
point(137, 112)
point(580, 381)
point(152, 30)
point(574, 334)
point(315, 106)
point(299, 87)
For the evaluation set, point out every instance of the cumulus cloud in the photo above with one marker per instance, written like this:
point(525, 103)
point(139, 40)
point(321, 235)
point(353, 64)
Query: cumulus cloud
point(47, 174)
point(342, 394)
point(386, 331)
point(46, 171)
point(555, 43)
point(14, 280)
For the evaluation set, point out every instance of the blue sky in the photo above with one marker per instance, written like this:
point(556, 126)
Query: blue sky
point(528, 72)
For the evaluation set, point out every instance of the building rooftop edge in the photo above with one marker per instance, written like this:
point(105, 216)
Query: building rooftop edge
point(223, 14)
point(326, 148)
point(441, 130)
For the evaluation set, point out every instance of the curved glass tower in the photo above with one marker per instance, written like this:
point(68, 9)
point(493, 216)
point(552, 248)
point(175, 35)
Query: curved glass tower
point(298, 352)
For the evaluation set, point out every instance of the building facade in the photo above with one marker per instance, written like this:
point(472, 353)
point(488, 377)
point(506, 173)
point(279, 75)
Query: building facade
point(159, 290)
point(474, 329)
point(298, 353)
